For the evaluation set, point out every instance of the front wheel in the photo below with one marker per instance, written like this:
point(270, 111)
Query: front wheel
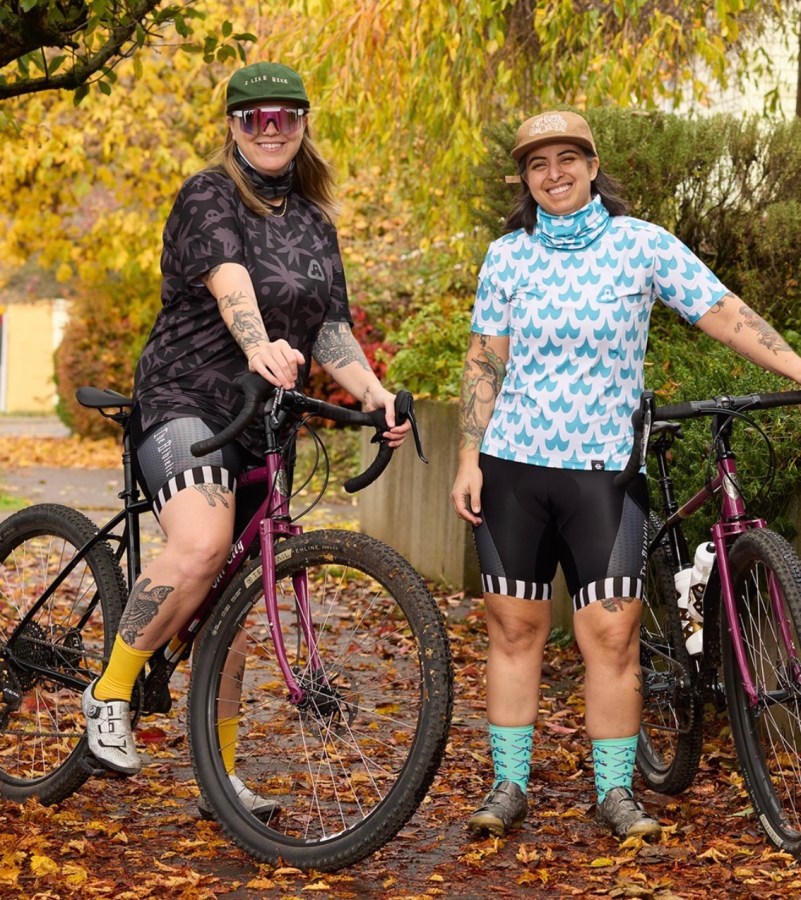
point(325, 782)
point(766, 576)
point(59, 612)
point(671, 733)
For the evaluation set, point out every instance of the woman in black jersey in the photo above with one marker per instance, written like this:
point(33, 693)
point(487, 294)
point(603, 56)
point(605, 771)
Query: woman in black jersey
point(252, 279)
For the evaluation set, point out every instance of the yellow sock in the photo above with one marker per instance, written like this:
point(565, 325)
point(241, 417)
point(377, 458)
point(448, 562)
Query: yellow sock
point(119, 677)
point(227, 730)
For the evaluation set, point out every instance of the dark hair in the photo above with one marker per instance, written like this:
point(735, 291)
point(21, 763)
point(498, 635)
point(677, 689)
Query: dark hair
point(524, 211)
point(312, 177)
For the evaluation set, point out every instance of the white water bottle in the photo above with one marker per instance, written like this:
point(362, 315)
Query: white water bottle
point(690, 584)
point(699, 575)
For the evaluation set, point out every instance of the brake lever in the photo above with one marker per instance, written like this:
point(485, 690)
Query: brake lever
point(404, 411)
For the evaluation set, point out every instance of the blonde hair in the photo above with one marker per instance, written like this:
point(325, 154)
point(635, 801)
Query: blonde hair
point(312, 178)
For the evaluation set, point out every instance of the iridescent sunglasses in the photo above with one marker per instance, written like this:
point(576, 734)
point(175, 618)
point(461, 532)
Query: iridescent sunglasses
point(286, 119)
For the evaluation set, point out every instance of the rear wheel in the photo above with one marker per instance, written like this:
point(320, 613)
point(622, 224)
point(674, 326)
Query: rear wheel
point(767, 729)
point(50, 650)
point(347, 767)
point(671, 733)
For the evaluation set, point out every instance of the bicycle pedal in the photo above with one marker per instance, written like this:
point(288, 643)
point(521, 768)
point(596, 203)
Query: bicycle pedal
point(93, 767)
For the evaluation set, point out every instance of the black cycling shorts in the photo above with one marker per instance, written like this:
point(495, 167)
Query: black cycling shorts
point(167, 466)
point(535, 518)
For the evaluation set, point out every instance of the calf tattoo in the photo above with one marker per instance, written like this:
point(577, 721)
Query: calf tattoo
point(143, 606)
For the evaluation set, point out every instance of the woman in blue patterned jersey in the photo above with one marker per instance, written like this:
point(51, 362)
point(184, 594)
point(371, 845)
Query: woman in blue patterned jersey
point(252, 279)
point(553, 372)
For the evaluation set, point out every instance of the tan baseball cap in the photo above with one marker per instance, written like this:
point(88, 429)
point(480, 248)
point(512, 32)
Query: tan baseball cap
point(548, 127)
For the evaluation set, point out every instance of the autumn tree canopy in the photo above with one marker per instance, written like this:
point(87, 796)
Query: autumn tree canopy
point(401, 91)
point(70, 44)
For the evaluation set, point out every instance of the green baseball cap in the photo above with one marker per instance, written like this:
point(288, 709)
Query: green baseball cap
point(262, 82)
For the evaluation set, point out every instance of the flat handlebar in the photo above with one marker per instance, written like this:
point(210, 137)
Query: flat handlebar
point(257, 392)
point(648, 413)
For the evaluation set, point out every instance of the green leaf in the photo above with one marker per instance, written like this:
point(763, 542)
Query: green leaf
point(80, 92)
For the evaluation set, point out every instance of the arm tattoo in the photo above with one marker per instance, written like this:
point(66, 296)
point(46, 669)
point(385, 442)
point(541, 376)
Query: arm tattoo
point(767, 336)
point(337, 347)
point(229, 301)
point(213, 493)
point(248, 330)
point(143, 606)
point(484, 372)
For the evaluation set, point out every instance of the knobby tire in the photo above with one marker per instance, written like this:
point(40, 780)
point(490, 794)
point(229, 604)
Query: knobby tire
point(350, 769)
point(42, 743)
point(768, 736)
point(671, 733)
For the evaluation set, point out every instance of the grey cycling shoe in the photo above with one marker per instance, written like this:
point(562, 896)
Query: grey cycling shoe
point(625, 817)
point(504, 808)
point(108, 729)
point(260, 807)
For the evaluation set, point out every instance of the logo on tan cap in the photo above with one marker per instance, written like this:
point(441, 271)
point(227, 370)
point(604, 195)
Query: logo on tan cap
point(552, 126)
point(549, 123)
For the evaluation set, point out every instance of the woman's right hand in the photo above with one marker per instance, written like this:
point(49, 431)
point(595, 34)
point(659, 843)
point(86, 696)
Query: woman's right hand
point(466, 493)
point(277, 362)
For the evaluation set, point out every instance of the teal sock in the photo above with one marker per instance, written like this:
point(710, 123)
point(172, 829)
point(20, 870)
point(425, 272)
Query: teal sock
point(511, 753)
point(614, 763)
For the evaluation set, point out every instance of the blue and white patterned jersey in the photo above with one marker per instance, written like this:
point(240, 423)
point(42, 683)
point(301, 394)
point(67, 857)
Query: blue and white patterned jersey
point(575, 300)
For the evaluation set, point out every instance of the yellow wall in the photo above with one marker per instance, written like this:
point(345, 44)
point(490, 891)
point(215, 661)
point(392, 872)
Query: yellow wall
point(31, 334)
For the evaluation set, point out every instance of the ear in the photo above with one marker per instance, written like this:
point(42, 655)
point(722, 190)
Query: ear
point(595, 165)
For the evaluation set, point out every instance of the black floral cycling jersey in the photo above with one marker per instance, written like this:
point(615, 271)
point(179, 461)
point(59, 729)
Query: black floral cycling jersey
point(191, 359)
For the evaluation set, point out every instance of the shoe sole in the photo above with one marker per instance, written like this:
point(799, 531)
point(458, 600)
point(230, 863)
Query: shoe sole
point(492, 824)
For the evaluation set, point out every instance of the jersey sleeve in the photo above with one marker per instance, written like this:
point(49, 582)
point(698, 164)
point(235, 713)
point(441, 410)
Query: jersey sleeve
point(204, 230)
point(491, 307)
point(681, 280)
point(339, 307)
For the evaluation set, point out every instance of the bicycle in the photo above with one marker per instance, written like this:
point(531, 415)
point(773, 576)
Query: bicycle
point(750, 611)
point(328, 643)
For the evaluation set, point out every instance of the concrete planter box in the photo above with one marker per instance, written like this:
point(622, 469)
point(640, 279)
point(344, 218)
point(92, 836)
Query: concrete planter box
point(410, 509)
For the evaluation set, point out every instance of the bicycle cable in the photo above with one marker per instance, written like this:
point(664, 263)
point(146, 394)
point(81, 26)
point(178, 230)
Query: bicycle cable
point(765, 481)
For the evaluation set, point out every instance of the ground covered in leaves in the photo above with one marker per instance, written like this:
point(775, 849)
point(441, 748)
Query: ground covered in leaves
point(142, 837)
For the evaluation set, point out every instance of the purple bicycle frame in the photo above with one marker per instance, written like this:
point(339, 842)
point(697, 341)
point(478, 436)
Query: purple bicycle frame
point(732, 523)
point(271, 519)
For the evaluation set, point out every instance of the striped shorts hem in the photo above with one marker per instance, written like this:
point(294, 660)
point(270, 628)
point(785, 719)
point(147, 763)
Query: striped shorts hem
point(608, 589)
point(199, 475)
point(515, 587)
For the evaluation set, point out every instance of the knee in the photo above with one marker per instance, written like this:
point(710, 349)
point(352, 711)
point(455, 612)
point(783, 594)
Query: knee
point(202, 558)
point(515, 637)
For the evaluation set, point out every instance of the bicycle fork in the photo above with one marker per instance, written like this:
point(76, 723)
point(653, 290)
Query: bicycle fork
point(269, 530)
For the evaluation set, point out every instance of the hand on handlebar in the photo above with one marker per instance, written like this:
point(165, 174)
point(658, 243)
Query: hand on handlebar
point(276, 362)
point(383, 399)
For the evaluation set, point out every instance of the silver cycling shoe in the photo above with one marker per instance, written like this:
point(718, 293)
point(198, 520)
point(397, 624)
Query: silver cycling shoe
point(503, 809)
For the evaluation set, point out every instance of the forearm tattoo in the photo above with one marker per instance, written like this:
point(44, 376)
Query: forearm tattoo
point(336, 347)
point(213, 493)
point(483, 376)
point(767, 336)
point(143, 606)
point(245, 322)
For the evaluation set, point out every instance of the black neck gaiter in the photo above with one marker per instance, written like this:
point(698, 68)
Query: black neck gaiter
point(267, 186)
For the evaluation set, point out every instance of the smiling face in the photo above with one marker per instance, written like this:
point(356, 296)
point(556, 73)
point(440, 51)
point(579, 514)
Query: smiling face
point(560, 177)
point(270, 151)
